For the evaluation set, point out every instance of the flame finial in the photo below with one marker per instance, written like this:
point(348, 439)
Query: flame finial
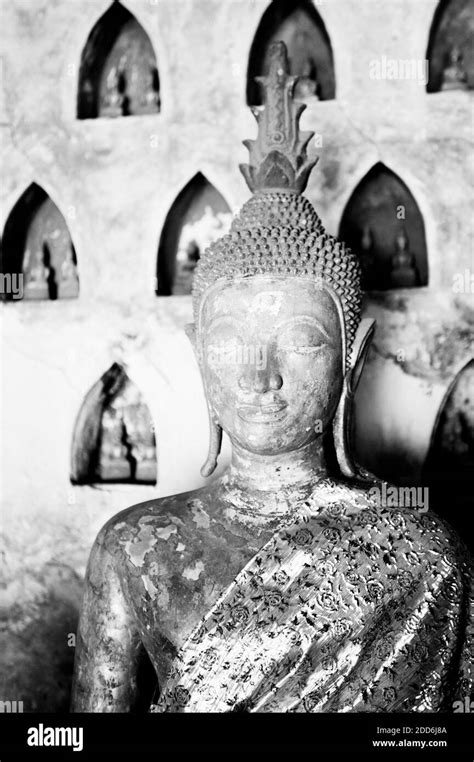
point(277, 158)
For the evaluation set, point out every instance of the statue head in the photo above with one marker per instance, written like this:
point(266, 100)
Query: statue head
point(277, 300)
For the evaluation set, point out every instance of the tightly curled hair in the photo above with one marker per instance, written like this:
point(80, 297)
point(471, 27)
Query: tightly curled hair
point(279, 233)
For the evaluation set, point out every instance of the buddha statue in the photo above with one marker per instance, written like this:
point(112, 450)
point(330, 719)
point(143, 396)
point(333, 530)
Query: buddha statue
point(285, 584)
point(68, 286)
point(151, 98)
point(87, 97)
point(454, 75)
point(36, 286)
point(114, 465)
point(142, 440)
point(367, 258)
point(303, 65)
point(404, 272)
point(113, 100)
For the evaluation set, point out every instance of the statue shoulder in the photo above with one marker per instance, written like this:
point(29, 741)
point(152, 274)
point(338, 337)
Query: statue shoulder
point(160, 525)
point(407, 519)
point(399, 517)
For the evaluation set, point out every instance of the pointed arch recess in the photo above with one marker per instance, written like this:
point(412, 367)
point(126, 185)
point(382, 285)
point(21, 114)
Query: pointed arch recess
point(198, 216)
point(114, 440)
point(383, 224)
point(118, 73)
point(310, 53)
point(450, 52)
point(37, 243)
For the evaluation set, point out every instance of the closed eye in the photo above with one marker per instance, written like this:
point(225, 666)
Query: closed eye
point(304, 342)
point(302, 349)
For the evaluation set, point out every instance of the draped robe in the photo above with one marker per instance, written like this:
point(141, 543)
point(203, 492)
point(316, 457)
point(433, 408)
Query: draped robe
point(349, 607)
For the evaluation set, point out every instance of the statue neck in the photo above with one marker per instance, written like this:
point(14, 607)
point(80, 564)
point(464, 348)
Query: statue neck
point(298, 470)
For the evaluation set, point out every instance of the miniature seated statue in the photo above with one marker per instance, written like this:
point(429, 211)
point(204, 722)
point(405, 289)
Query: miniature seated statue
point(367, 258)
point(303, 65)
point(404, 272)
point(68, 287)
point(283, 585)
point(454, 75)
point(37, 280)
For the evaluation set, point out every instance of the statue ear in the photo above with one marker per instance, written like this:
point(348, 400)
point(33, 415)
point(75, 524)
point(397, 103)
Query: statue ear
point(360, 348)
point(215, 431)
point(342, 422)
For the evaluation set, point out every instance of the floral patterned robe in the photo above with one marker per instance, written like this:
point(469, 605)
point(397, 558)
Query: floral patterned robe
point(348, 608)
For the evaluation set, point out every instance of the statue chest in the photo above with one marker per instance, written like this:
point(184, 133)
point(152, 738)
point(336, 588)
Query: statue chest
point(170, 586)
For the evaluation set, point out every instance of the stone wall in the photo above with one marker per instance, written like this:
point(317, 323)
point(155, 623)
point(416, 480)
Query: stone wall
point(115, 180)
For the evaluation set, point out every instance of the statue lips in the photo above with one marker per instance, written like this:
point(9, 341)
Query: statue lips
point(269, 413)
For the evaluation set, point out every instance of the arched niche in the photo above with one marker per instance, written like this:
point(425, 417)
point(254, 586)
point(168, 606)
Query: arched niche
point(118, 75)
point(449, 466)
point(37, 244)
point(384, 226)
point(114, 439)
point(197, 217)
point(450, 50)
point(300, 27)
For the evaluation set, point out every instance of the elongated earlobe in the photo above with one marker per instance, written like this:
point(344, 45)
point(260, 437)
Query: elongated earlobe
point(215, 430)
point(215, 443)
point(342, 432)
point(343, 420)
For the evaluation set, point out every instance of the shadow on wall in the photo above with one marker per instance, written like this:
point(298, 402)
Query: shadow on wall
point(39, 645)
point(449, 467)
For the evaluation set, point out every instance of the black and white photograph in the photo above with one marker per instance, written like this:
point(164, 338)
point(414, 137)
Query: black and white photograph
point(237, 378)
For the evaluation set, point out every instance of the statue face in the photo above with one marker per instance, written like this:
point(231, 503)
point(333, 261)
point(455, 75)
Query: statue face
point(272, 360)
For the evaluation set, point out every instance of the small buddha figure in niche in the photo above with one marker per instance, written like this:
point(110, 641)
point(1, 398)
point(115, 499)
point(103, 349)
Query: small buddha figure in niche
point(454, 75)
point(114, 464)
point(151, 103)
point(286, 584)
point(304, 66)
point(404, 272)
point(367, 258)
point(185, 264)
point(68, 287)
point(37, 283)
point(143, 449)
point(192, 256)
point(88, 95)
point(114, 100)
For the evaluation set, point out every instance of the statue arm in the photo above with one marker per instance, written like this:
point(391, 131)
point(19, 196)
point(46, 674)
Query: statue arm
point(109, 652)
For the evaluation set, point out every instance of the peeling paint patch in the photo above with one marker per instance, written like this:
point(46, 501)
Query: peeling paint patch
point(164, 533)
point(175, 520)
point(200, 516)
point(193, 572)
point(140, 546)
point(150, 587)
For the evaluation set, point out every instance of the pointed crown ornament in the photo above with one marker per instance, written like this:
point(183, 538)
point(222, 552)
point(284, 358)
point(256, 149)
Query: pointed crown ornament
point(277, 231)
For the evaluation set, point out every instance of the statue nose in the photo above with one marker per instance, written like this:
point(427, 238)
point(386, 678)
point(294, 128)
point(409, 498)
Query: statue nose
point(260, 382)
